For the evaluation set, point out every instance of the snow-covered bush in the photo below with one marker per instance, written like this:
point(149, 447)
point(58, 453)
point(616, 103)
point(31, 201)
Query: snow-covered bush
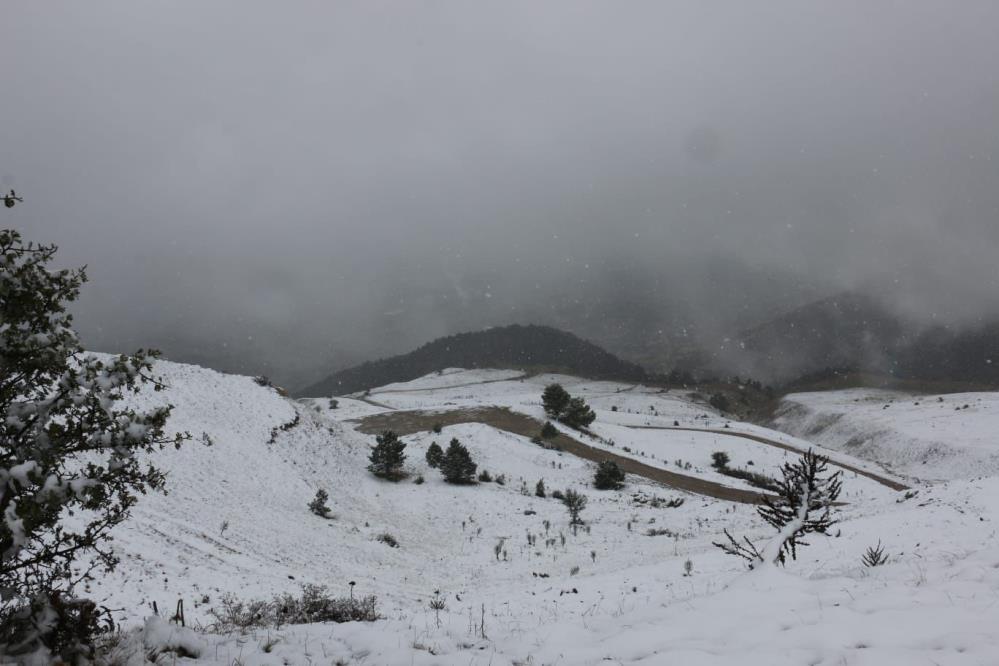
point(66, 447)
point(315, 604)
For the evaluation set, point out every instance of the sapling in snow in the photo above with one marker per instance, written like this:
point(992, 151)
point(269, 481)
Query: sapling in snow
point(802, 506)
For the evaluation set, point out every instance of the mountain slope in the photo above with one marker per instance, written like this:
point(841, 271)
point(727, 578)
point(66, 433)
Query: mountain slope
point(616, 590)
point(516, 346)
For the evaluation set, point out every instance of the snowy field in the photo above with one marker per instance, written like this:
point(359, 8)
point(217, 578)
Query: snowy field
point(933, 437)
point(616, 592)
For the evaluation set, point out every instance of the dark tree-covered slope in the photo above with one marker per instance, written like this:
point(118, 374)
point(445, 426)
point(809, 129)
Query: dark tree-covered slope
point(516, 346)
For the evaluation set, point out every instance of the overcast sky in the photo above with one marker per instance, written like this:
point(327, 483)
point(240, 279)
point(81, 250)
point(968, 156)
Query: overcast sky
point(283, 186)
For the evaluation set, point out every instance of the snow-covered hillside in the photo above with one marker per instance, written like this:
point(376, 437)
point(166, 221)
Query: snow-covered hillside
point(952, 436)
point(614, 593)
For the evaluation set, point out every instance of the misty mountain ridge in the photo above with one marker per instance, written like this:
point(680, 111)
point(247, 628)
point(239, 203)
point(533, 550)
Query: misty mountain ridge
point(523, 347)
point(854, 332)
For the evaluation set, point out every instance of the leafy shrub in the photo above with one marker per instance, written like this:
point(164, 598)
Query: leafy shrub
point(485, 477)
point(549, 431)
point(719, 460)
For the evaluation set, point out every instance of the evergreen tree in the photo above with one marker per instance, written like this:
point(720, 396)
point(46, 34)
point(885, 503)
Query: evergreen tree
point(318, 504)
point(608, 476)
point(387, 456)
point(457, 465)
point(802, 506)
point(67, 447)
point(578, 414)
point(549, 431)
point(555, 400)
point(574, 504)
point(435, 454)
point(539, 490)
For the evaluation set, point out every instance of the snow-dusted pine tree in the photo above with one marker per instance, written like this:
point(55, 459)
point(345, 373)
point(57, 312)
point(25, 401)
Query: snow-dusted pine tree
point(802, 506)
point(69, 464)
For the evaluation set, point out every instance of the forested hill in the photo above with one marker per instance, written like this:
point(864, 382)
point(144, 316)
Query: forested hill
point(520, 347)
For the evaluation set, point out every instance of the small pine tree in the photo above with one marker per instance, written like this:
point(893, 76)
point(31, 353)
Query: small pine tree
point(539, 489)
point(555, 400)
point(609, 476)
point(457, 465)
point(578, 414)
point(318, 504)
point(574, 504)
point(387, 456)
point(435, 454)
point(719, 460)
point(802, 506)
point(549, 431)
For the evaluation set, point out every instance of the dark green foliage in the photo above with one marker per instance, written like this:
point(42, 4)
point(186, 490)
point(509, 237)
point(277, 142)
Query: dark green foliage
point(578, 414)
point(388, 540)
point(719, 460)
point(720, 402)
point(66, 447)
point(387, 457)
point(318, 504)
point(609, 476)
point(539, 489)
point(549, 431)
point(574, 504)
point(438, 427)
point(555, 401)
point(519, 347)
point(558, 494)
point(435, 454)
point(484, 476)
point(457, 466)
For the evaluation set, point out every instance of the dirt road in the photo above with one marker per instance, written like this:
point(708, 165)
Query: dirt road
point(883, 480)
point(408, 422)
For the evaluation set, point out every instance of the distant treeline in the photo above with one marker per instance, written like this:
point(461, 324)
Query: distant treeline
point(532, 348)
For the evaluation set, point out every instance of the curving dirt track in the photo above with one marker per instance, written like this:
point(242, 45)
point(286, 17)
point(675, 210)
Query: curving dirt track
point(501, 418)
point(883, 480)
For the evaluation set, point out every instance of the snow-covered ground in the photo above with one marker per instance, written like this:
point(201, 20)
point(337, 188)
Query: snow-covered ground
point(935, 437)
point(610, 594)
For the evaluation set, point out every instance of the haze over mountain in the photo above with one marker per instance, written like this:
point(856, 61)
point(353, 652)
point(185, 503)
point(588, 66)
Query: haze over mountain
point(299, 188)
